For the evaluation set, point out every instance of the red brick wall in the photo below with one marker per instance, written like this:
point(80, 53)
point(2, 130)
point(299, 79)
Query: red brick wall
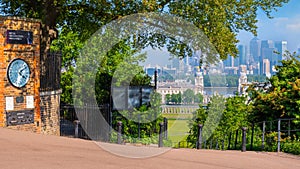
point(31, 54)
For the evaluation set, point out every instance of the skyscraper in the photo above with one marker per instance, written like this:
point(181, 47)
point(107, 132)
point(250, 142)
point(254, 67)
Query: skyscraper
point(242, 55)
point(255, 45)
point(281, 47)
point(267, 47)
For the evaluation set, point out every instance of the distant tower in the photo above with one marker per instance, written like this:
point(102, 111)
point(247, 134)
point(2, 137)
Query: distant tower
point(255, 45)
point(242, 55)
point(199, 83)
point(281, 47)
point(267, 48)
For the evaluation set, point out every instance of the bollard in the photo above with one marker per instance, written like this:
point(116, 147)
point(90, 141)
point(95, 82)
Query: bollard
point(223, 145)
point(278, 144)
point(263, 136)
point(160, 137)
point(199, 141)
point(76, 123)
point(244, 139)
point(165, 128)
point(119, 132)
point(229, 141)
point(252, 136)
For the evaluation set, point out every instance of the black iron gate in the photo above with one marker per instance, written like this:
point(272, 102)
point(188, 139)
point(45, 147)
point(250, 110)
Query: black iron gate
point(69, 119)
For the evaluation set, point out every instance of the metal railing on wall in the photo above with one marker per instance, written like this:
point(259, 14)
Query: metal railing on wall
point(50, 72)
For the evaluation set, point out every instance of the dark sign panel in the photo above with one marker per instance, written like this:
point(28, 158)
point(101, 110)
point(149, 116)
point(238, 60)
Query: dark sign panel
point(20, 117)
point(146, 92)
point(128, 98)
point(119, 96)
point(19, 37)
point(134, 99)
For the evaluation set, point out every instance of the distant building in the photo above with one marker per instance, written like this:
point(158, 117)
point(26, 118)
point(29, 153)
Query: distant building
point(255, 45)
point(265, 68)
point(281, 47)
point(179, 86)
point(242, 55)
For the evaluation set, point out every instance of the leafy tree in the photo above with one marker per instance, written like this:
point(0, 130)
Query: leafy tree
point(188, 96)
point(235, 115)
point(198, 98)
point(168, 98)
point(176, 98)
point(209, 118)
point(220, 20)
point(281, 99)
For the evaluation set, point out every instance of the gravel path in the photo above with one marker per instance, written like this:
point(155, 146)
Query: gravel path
point(25, 150)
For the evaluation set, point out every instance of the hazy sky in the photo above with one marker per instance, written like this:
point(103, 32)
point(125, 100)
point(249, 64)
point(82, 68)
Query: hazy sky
point(284, 26)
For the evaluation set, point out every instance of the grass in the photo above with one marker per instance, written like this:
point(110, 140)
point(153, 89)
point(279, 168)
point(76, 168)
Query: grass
point(177, 130)
point(178, 116)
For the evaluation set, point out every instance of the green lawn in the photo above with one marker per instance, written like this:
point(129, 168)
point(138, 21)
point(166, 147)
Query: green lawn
point(178, 116)
point(178, 130)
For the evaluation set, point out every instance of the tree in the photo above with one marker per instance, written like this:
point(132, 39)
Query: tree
point(198, 98)
point(281, 99)
point(220, 20)
point(188, 96)
point(168, 98)
point(209, 118)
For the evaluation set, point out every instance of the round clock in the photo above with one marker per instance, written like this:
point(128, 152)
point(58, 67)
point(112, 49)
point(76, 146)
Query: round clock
point(18, 73)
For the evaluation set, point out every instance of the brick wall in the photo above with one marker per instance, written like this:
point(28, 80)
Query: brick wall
point(50, 112)
point(45, 104)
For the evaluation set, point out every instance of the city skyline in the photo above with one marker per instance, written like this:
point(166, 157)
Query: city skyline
point(285, 26)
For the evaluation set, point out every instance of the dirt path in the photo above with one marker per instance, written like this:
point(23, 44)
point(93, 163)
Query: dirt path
point(24, 150)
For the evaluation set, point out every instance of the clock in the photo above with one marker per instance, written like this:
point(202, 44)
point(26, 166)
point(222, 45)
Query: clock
point(18, 73)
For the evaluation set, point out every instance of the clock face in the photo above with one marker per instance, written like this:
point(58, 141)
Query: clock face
point(18, 73)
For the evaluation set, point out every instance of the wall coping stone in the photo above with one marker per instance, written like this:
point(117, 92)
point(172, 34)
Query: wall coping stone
point(20, 18)
point(48, 93)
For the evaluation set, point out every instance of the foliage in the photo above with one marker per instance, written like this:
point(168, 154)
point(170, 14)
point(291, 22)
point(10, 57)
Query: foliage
point(292, 147)
point(220, 20)
point(141, 125)
point(188, 96)
point(209, 118)
point(281, 100)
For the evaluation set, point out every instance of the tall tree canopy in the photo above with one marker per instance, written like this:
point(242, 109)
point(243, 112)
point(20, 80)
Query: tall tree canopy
point(220, 20)
point(281, 99)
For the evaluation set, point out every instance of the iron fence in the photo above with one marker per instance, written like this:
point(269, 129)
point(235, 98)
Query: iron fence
point(51, 72)
point(71, 116)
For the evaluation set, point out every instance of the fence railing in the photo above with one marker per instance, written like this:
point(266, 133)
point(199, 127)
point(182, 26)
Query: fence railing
point(71, 116)
point(51, 72)
point(266, 135)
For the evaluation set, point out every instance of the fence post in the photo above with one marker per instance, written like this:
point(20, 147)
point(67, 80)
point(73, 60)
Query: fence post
point(199, 141)
point(263, 136)
point(76, 122)
point(223, 144)
point(244, 139)
point(160, 137)
point(139, 126)
point(236, 138)
point(278, 145)
point(119, 132)
point(252, 135)
point(217, 144)
point(289, 128)
point(229, 141)
point(166, 127)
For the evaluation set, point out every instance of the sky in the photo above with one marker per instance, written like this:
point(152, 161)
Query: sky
point(284, 26)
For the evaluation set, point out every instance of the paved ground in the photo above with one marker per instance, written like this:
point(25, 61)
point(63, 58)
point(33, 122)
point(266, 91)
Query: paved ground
point(24, 150)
